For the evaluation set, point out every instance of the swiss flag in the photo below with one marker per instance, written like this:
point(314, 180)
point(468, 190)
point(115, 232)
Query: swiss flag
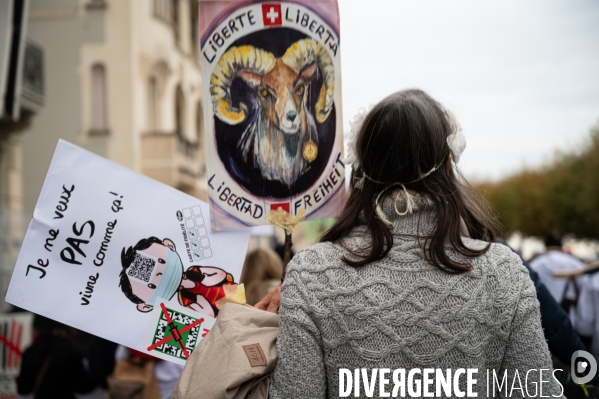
point(284, 205)
point(271, 14)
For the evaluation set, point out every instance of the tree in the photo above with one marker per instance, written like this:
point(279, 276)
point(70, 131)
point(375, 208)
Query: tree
point(562, 197)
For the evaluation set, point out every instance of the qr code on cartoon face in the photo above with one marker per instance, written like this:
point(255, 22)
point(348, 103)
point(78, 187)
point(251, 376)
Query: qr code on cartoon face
point(141, 268)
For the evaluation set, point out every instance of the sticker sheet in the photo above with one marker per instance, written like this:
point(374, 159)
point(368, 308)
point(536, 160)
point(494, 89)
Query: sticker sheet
point(175, 331)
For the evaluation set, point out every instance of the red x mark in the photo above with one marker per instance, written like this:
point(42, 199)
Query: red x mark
point(176, 333)
point(10, 345)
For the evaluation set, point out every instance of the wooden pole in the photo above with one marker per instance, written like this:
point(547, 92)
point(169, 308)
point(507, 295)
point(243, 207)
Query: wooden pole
point(286, 253)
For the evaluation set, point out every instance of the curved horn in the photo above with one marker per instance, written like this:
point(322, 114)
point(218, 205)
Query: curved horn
point(306, 52)
point(246, 58)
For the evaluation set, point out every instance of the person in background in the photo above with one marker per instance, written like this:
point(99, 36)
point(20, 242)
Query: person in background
point(262, 271)
point(586, 320)
point(555, 259)
point(99, 354)
point(167, 373)
point(53, 366)
point(557, 327)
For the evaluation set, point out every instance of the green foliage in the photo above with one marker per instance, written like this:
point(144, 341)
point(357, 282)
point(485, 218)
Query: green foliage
point(562, 197)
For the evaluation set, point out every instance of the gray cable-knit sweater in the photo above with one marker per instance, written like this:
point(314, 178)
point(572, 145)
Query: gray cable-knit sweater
point(403, 313)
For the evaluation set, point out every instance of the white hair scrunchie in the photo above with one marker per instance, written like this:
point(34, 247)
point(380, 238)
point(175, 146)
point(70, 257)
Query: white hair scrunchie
point(457, 144)
point(456, 140)
point(355, 126)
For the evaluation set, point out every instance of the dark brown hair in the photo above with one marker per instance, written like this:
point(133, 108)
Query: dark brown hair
point(401, 139)
point(261, 267)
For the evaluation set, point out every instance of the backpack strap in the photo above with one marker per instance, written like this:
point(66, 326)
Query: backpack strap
point(40, 375)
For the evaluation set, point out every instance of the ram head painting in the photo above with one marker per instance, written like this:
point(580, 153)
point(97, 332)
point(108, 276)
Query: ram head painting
point(281, 137)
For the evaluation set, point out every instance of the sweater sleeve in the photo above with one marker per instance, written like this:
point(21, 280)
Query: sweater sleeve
point(527, 361)
point(300, 370)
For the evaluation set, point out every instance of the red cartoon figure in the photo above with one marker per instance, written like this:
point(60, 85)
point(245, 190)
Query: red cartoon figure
point(203, 286)
point(153, 269)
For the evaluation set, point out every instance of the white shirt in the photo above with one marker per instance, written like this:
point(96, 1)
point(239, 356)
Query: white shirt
point(586, 322)
point(545, 264)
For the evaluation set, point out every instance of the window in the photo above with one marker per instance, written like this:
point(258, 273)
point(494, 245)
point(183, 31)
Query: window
point(200, 125)
point(195, 47)
point(153, 105)
point(180, 112)
point(96, 4)
point(175, 20)
point(168, 11)
point(162, 9)
point(99, 120)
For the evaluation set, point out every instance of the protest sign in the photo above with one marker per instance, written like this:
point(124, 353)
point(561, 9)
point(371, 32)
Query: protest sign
point(108, 248)
point(273, 120)
point(16, 334)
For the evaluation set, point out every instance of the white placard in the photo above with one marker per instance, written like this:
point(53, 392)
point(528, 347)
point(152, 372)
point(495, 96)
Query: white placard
point(106, 243)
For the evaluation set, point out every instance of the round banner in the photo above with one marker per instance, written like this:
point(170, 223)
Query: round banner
point(272, 95)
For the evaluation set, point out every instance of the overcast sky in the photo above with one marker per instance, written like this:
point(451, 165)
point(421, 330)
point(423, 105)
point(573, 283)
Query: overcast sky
point(521, 76)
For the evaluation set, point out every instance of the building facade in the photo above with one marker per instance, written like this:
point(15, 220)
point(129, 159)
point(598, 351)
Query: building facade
point(121, 78)
point(123, 81)
point(21, 98)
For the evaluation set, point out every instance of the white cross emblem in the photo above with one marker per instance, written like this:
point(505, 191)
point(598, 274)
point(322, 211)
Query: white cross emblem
point(272, 15)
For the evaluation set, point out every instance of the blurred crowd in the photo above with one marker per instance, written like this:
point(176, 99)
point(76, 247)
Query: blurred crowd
point(64, 362)
point(574, 285)
point(568, 293)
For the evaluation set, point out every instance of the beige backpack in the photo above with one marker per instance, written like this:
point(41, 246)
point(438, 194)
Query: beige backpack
point(235, 359)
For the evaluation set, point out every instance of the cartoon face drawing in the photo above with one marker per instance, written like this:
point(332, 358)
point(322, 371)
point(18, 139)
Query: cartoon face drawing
point(144, 282)
point(153, 269)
